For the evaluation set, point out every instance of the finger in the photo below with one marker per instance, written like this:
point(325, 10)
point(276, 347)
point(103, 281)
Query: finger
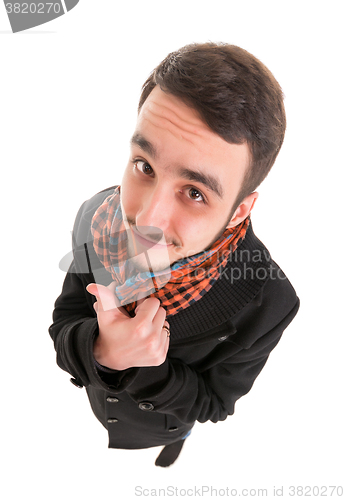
point(148, 309)
point(112, 288)
point(138, 304)
point(140, 299)
point(166, 328)
point(160, 319)
point(166, 341)
point(105, 297)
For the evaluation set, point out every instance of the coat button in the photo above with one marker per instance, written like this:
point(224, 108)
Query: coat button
point(173, 429)
point(112, 420)
point(112, 400)
point(221, 339)
point(146, 406)
point(76, 383)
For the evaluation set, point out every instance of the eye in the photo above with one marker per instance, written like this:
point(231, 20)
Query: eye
point(143, 167)
point(195, 195)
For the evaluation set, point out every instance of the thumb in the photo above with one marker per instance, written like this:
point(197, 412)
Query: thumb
point(105, 296)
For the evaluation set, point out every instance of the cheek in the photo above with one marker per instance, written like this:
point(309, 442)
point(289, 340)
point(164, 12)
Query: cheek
point(194, 232)
point(129, 194)
point(204, 232)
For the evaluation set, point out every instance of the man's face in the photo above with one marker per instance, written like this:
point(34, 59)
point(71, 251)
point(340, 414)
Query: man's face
point(181, 178)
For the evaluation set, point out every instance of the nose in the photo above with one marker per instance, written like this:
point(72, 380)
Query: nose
point(156, 210)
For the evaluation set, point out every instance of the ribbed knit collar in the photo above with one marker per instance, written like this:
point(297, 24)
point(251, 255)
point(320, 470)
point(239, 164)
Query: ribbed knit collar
point(242, 279)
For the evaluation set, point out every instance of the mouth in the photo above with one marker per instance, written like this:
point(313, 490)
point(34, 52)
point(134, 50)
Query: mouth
point(147, 242)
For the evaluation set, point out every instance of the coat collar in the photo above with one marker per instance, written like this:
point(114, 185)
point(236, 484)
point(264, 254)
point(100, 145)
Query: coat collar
point(238, 284)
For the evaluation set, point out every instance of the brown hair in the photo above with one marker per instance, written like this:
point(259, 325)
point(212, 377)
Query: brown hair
point(234, 93)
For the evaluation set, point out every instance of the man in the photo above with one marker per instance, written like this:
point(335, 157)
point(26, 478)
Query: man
point(172, 306)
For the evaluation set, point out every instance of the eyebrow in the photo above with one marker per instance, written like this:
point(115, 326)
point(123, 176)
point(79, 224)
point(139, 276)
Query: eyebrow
point(208, 180)
point(144, 144)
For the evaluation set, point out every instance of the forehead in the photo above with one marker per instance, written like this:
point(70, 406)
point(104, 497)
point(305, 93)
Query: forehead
point(165, 112)
point(168, 112)
point(170, 105)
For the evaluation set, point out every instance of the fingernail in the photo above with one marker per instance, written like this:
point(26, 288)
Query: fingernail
point(87, 288)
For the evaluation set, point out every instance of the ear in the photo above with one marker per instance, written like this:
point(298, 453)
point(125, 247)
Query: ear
point(243, 210)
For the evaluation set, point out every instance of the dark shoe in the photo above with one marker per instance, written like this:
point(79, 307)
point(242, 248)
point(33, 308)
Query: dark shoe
point(169, 454)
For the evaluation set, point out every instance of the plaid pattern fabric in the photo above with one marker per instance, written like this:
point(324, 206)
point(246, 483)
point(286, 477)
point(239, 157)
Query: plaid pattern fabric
point(177, 288)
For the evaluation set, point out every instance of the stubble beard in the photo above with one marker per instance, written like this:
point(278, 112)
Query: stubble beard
point(152, 260)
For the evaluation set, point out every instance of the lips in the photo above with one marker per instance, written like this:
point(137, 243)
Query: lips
point(147, 243)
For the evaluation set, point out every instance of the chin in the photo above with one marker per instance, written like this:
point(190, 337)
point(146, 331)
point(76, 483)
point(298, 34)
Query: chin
point(150, 263)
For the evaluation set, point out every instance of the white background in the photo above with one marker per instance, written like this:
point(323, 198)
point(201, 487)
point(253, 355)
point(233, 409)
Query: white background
point(68, 97)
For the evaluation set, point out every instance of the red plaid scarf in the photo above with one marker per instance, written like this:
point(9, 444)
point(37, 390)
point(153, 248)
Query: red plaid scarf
point(177, 288)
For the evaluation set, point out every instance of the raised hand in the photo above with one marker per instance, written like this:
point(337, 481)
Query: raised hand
point(125, 342)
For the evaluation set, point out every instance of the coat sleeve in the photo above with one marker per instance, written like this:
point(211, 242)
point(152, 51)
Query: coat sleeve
point(74, 330)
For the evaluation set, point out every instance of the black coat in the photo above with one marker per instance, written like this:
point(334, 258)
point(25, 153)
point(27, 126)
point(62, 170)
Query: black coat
point(218, 345)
